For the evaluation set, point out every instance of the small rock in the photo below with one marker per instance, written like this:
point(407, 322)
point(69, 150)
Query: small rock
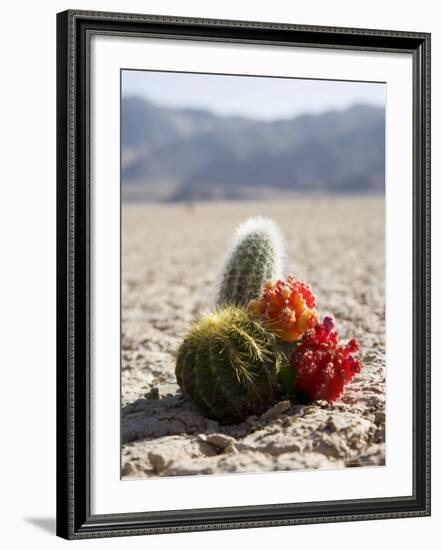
point(276, 410)
point(128, 469)
point(311, 409)
point(158, 461)
point(220, 440)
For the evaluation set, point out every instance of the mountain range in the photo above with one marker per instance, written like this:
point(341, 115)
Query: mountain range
point(172, 154)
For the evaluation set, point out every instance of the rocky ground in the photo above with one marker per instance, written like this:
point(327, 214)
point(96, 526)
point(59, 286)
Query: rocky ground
point(171, 254)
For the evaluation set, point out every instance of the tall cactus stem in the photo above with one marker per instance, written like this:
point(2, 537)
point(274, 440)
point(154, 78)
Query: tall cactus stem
point(256, 255)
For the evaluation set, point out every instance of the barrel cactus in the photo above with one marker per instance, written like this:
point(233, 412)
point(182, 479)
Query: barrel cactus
point(228, 364)
point(256, 255)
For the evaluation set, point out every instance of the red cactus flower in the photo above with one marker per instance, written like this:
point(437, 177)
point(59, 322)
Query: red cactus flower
point(289, 306)
point(322, 365)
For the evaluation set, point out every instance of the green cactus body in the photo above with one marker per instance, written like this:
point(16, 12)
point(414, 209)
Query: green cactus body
point(228, 364)
point(256, 255)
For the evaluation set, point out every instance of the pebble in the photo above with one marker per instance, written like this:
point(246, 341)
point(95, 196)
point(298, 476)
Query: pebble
point(219, 440)
point(276, 410)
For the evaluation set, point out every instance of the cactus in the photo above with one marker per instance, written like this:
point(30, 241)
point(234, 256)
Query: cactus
point(228, 364)
point(256, 255)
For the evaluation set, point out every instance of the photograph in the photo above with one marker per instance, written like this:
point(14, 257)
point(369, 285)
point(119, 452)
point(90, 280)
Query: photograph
point(252, 274)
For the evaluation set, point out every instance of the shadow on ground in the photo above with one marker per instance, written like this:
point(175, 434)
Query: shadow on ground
point(45, 524)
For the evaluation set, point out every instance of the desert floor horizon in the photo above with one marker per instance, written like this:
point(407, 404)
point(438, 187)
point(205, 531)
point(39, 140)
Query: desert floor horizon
point(171, 254)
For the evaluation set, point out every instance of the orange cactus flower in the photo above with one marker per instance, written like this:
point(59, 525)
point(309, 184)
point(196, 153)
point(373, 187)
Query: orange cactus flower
point(289, 306)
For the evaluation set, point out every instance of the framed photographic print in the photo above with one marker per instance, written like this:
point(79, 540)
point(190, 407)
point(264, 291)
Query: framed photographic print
point(243, 274)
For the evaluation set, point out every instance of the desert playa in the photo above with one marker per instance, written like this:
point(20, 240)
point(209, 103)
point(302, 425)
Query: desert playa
point(171, 254)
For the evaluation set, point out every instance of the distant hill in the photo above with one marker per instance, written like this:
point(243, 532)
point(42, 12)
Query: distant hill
point(188, 154)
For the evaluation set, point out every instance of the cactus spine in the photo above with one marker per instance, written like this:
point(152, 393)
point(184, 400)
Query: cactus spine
point(228, 364)
point(256, 255)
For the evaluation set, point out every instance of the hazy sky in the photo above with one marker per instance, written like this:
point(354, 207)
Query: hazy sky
point(257, 97)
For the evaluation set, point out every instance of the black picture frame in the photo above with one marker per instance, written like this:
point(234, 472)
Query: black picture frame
point(74, 518)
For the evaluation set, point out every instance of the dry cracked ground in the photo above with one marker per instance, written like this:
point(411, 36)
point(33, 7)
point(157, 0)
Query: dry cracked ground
point(171, 254)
